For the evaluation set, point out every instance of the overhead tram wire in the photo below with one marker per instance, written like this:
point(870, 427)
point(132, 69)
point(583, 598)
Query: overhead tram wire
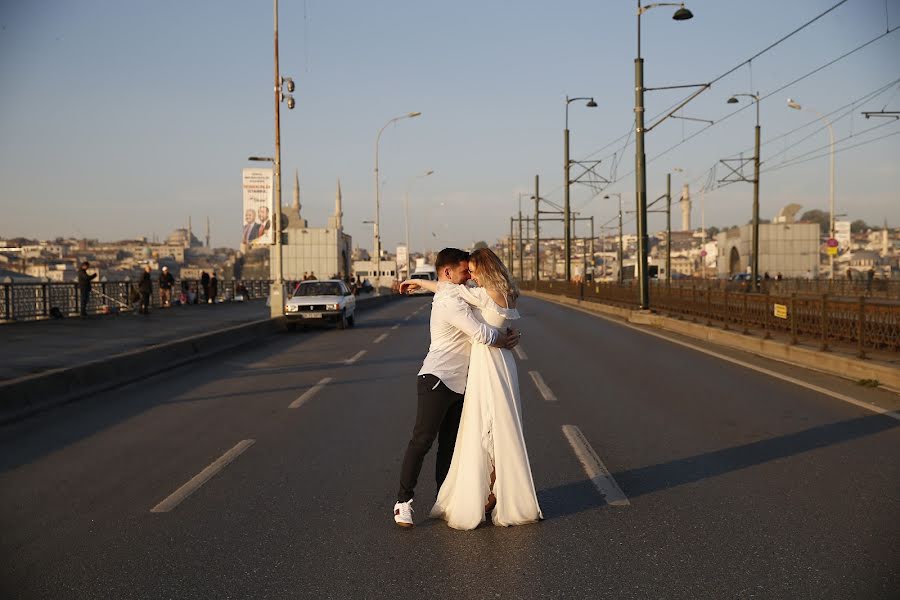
point(741, 64)
point(746, 106)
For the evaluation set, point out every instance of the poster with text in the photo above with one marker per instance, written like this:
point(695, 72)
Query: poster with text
point(257, 228)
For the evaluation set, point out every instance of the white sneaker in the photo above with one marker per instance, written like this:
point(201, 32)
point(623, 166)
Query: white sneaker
point(403, 514)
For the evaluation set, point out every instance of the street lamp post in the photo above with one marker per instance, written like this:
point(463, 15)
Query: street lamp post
point(640, 158)
point(796, 106)
point(754, 267)
point(406, 220)
point(566, 166)
point(276, 293)
point(377, 241)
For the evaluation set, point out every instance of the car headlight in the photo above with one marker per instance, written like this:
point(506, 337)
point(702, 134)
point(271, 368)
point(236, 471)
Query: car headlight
point(331, 306)
point(290, 308)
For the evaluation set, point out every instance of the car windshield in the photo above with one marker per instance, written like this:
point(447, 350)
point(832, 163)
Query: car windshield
point(319, 288)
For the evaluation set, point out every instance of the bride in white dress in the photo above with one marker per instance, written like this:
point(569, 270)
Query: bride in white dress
point(490, 471)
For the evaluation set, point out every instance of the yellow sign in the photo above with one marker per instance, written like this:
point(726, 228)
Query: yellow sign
point(831, 250)
point(781, 311)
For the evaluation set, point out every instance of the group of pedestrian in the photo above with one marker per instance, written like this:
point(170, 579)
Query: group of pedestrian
point(310, 276)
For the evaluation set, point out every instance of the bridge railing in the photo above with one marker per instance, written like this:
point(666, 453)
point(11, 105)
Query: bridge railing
point(865, 322)
point(24, 301)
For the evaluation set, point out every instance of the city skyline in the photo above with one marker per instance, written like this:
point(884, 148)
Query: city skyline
point(115, 131)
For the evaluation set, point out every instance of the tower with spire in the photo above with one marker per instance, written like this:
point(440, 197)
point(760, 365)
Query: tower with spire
point(336, 221)
point(207, 231)
point(296, 217)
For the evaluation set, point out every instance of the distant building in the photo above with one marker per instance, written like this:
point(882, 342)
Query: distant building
point(323, 251)
point(791, 249)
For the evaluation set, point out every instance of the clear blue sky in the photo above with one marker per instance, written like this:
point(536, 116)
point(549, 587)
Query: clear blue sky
point(120, 119)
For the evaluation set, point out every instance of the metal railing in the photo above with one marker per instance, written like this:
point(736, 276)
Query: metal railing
point(865, 322)
point(24, 301)
point(888, 289)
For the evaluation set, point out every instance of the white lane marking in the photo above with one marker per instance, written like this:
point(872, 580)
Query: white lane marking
point(310, 393)
point(407, 317)
point(520, 353)
point(752, 367)
point(594, 467)
point(355, 357)
point(397, 326)
point(178, 496)
point(542, 387)
point(380, 338)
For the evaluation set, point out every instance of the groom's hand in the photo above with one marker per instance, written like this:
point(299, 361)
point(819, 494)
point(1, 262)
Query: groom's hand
point(509, 339)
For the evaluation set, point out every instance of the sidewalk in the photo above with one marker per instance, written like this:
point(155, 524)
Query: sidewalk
point(32, 347)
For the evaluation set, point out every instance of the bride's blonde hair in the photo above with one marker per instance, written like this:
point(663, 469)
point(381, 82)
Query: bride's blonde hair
point(493, 274)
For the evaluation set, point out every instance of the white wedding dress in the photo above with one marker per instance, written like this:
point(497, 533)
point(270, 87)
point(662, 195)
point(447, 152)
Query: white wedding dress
point(490, 435)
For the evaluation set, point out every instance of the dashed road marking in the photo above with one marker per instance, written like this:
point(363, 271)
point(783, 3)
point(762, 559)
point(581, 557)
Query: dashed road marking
point(200, 478)
point(380, 338)
point(397, 326)
point(355, 357)
point(594, 467)
point(520, 353)
point(542, 387)
point(310, 393)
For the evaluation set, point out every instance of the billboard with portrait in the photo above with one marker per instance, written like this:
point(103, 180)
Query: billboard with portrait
point(259, 206)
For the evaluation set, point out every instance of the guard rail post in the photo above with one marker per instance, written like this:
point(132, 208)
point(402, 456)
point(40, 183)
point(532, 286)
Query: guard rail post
point(861, 328)
point(793, 316)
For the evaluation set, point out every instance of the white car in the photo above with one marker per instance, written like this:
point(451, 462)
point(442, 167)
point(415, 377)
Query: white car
point(321, 301)
point(426, 275)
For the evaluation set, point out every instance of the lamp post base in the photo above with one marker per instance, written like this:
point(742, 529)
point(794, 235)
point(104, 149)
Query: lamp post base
point(276, 300)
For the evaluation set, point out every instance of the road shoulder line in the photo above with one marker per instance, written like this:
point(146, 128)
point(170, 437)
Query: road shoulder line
point(741, 363)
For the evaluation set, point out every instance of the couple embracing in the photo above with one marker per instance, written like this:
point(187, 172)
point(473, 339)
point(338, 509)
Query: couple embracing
point(468, 398)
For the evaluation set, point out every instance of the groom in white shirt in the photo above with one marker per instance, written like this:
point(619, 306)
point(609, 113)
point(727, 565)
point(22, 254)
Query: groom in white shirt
point(441, 382)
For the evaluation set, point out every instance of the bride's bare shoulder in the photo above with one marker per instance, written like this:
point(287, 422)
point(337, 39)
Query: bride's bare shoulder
point(499, 298)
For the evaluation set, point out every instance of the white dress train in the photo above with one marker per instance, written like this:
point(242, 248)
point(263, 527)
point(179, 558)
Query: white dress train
point(490, 435)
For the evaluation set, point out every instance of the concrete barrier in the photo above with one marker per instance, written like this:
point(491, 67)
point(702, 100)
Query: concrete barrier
point(26, 396)
point(825, 362)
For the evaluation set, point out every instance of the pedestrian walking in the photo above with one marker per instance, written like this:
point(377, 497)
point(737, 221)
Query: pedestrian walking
point(166, 282)
point(306, 276)
point(213, 288)
point(204, 283)
point(84, 286)
point(312, 276)
point(145, 287)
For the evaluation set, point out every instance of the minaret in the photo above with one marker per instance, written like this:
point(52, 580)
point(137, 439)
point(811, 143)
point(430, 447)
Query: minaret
point(301, 222)
point(190, 235)
point(336, 221)
point(339, 213)
point(207, 231)
point(296, 205)
point(884, 239)
point(686, 208)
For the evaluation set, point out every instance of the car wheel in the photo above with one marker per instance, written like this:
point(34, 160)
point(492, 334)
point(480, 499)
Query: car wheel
point(342, 321)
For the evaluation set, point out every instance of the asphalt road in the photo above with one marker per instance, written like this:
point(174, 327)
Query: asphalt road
point(739, 485)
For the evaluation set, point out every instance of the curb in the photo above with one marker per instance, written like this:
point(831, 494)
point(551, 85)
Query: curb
point(29, 395)
point(826, 362)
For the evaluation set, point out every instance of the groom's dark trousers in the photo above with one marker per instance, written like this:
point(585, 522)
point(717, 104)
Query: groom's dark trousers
point(437, 416)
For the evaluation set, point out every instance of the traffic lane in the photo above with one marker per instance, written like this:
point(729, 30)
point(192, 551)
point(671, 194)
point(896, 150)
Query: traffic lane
point(307, 510)
point(766, 464)
point(75, 469)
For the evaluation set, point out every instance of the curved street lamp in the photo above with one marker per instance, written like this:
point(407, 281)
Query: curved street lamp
point(566, 166)
point(377, 244)
point(796, 106)
point(754, 261)
point(406, 218)
point(640, 158)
